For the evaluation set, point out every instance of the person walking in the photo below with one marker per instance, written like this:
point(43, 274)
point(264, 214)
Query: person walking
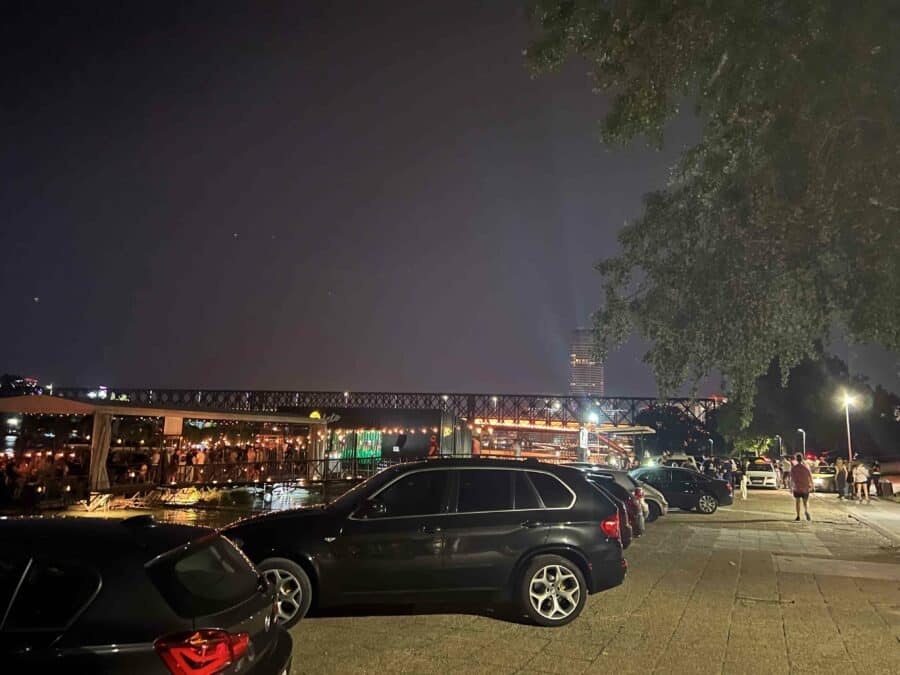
point(861, 481)
point(802, 482)
point(786, 473)
point(840, 478)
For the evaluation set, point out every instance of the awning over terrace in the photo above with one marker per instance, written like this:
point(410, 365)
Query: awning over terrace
point(103, 413)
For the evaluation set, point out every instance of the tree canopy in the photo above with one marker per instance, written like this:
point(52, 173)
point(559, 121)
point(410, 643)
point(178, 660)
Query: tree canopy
point(812, 401)
point(782, 223)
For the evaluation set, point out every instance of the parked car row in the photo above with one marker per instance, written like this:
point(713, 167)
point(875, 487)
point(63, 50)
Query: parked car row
point(136, 596)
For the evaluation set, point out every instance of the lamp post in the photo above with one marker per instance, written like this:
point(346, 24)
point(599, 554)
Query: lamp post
point(804, 442)
point(848, 401)
point(780, 446)
point(712, 448)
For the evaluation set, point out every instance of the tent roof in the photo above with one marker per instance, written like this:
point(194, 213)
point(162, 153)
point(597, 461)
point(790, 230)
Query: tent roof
point(56, 405)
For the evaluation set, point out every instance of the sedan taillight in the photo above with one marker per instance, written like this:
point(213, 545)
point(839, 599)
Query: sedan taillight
point(610, 526)
point(639, 493)
point(201, 652)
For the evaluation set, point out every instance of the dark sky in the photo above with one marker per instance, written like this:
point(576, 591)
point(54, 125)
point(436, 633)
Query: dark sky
point(304, 195)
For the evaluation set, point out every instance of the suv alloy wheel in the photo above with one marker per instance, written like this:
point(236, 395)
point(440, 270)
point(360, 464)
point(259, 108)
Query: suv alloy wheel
point(552, 590)
point(293, 590)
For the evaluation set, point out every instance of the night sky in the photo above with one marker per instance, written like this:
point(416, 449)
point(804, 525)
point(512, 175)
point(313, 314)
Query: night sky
point(305, 195)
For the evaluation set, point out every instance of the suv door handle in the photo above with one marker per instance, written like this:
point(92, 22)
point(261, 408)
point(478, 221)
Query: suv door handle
point(429, 529)
point(531, 523)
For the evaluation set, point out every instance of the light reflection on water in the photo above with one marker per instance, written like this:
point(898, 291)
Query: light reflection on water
point(256, 501)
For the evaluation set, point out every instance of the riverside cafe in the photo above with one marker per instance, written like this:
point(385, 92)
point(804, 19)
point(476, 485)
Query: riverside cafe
point(102, 414)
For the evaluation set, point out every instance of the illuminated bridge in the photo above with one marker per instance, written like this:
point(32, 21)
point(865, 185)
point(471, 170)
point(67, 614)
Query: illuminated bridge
point(550, 410)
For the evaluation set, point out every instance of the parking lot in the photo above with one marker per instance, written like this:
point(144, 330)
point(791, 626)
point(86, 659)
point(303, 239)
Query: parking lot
point(744, 590)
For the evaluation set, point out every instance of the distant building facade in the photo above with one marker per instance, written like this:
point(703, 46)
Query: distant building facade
point(585, 371)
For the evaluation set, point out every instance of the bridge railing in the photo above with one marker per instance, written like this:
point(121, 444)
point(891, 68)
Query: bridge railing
point(246, 473)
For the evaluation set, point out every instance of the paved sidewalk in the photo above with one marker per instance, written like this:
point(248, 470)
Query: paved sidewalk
point(880, 514)
point(746, 590)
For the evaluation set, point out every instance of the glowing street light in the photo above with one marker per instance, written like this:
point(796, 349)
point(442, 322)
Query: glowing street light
point(848, 401)
point(804, 441)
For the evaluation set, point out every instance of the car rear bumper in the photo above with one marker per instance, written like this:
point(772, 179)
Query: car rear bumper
point(726, 499)
point(762, 481)
point(608, 569)
point(277, 660)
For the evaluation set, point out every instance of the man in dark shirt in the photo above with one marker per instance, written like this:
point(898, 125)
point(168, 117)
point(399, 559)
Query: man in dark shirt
point(802, 480)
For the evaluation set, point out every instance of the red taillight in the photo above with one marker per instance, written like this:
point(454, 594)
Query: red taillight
point(201, 652)
point(610, 526)
point(639, 493)
point(728, 487)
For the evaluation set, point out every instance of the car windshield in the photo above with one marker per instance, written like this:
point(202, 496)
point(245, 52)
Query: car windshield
point(762, 467)
point(352, 496)
point(825, 469)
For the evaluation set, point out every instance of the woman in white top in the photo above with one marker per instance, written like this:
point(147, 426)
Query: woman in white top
point(861, 480)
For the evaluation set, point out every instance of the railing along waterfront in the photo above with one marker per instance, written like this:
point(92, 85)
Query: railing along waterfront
point(305, 471)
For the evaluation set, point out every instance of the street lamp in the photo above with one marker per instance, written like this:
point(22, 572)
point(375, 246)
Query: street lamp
point(804, 442)
point(712, 449)
point(848, 401)
point(780, 446)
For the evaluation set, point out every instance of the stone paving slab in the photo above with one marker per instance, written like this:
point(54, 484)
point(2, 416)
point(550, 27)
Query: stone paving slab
point(746, 590)
point(839, 568)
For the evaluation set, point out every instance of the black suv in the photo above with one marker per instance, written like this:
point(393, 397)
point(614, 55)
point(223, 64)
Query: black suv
point(84, 595)
point(537, 534)
point(687, 489)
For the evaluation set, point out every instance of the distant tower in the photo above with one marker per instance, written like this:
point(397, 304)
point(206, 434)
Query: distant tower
point(585, 372)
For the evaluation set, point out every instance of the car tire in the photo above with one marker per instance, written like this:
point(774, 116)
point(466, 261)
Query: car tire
point(707, 503)
point(654, 512)
point(292, 587)
point(552, 590)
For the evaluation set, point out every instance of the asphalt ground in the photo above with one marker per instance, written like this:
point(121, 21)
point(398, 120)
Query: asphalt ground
point(745, 590)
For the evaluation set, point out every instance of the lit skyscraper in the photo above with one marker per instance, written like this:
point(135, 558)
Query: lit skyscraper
point(585, 372)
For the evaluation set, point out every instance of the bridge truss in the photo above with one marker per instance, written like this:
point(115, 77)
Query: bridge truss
point(548, 410)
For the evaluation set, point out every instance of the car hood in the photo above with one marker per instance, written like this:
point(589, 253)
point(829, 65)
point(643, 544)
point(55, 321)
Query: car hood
point(274, 518)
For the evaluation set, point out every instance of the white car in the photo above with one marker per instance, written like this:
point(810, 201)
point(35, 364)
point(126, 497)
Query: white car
point(763, 474)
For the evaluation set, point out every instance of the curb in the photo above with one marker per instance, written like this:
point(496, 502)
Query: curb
point(893, 537)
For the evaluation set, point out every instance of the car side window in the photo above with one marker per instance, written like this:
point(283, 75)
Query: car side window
point(420, 493)
point(655, 476)
point(554, 493)
point(683, 479)
point(526, 496)
point(52, 594)
point(484, 490)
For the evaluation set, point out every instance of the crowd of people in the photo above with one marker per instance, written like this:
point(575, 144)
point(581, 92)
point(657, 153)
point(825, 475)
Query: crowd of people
point(200, 464)
point(29, 474)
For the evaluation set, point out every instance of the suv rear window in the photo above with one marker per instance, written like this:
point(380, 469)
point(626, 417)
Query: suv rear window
point(208, 577)
point(554, 493)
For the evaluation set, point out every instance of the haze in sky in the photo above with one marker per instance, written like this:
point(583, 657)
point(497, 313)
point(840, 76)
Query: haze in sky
point(306, 196)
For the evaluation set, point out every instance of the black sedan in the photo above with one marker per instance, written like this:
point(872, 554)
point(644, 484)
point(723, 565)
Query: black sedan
point(687, 489)
point(134, 596)
point(536, 534)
